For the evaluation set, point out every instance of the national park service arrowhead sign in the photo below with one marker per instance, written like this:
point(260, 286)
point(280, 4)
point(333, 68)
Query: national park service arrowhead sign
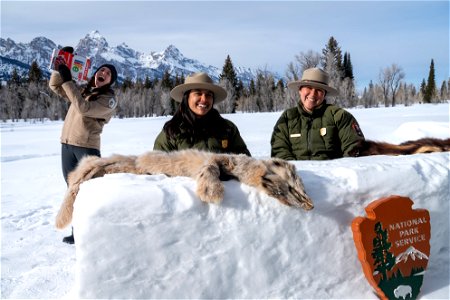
point(393, 246)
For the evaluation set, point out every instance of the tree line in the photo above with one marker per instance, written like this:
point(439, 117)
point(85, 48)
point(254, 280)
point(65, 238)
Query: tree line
point(30, 97)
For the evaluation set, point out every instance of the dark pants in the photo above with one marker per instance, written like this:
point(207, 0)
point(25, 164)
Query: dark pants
point(71, 156)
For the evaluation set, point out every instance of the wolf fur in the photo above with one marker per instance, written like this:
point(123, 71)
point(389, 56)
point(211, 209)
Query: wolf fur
point(276, 177)
point(424, 145)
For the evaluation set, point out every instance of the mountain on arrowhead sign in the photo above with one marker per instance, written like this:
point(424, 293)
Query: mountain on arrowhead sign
point(393, 246)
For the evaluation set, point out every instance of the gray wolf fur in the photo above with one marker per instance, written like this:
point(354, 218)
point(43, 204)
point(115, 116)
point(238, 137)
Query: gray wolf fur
point(424, 145)
point(276, 177)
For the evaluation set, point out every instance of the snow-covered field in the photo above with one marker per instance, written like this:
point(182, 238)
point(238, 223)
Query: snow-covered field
point(290, 252)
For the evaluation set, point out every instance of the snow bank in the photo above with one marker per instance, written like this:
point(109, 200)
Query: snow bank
point(149, 236)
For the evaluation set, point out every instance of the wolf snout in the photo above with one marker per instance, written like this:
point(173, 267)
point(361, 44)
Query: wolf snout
point(301, 200)
point(304, 203)
point(308, 205)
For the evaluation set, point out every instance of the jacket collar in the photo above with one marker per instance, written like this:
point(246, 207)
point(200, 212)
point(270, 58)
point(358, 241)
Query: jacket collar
point(318, 111)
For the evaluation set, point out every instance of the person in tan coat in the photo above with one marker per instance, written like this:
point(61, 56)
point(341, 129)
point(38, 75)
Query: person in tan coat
point(90, 108)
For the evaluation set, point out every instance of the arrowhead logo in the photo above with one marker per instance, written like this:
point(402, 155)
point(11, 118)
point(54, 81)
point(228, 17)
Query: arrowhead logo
point(393, 246)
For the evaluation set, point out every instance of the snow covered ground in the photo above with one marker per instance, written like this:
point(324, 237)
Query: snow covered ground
point(292, 253)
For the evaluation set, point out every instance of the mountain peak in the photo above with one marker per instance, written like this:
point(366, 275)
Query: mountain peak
point(92, 44)
point(96, 38)
point(412, 253)
point(172, 51)
point(95, 34)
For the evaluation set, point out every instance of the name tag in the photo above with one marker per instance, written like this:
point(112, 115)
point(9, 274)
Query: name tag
point(323, 131)
point(295, 135)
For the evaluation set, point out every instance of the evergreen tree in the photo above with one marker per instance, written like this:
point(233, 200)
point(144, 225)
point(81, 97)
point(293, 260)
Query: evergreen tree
point(15, 78)
point(430, 90)
point(384, 260)
point(332, 50)
point(333, 65)
point(252, 88)
point(166, 81)
point(169, 105)
point(139, 84)
point(148, 84)
point(127, 84)
point(423, 88)
point(348, 68)
point(240, 88)
point(412, 90)
point(444, 91)
point(229, 74)
point(178, 79)
point(35, 73)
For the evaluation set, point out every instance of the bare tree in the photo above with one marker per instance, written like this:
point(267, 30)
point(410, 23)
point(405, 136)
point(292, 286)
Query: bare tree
point(390, 79)
point(165, 102)
point(265, 85)
point(229, 104)
point(279, 97)
point(308, 59)
point(397, 77)
point(303, 61)
point(335, 80)
point(292, 98)
point(369, 96)
point(292, 72)
point(347, 93)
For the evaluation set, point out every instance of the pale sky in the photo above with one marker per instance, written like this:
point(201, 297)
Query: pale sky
point(256, 34)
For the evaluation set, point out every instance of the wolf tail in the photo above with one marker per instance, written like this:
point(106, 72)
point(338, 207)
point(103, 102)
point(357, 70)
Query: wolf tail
point(89, 167)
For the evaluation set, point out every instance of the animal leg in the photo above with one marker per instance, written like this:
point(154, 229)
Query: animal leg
point(209, 186)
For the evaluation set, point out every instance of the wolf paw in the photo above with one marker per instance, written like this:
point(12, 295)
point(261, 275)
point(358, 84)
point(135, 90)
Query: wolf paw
point(209, 186)
point(211, 192)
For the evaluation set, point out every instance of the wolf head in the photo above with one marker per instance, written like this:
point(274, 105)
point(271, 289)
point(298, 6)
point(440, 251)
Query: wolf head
point(282, 182)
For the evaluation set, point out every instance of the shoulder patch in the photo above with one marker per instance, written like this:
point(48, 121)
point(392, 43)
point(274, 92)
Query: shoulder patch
point(112, 103)
point(357, 129)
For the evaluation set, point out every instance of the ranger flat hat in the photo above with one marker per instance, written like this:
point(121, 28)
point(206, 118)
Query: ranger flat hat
point(199, 81)
point(314, 77)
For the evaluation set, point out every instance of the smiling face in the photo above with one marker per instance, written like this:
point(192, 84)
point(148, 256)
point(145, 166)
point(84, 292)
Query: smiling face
point(200, 101)
point(311, 97)
point(102, 77)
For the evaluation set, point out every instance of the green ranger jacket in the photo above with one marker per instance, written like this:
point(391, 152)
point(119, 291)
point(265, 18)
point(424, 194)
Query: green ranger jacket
point(229, 142)
point(328, 132)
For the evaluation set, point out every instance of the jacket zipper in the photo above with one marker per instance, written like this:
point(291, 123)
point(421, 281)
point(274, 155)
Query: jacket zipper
point(308, 137)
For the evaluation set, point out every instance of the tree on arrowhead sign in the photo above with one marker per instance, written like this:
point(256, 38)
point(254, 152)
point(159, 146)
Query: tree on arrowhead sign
point(393, 244)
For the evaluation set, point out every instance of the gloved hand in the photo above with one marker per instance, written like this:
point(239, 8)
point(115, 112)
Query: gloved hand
point(59, 60)
point(67, 49)
point(65, 73)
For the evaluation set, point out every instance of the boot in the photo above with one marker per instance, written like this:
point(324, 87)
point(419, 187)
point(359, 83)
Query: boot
point(69, 239)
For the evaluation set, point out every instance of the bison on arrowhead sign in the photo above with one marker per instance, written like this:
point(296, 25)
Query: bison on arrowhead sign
point(393, 246)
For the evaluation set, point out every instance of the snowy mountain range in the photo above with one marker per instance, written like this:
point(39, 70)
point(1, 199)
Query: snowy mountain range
point(129, 62)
